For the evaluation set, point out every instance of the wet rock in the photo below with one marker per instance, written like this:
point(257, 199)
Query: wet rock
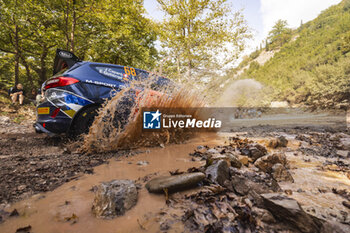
point(264, 215)
point(212, 151)
point(344, 143)
point(245, 182)
point(266, 162)
point(343, 153)
point(346, 204)
point(26, 229)
point(175, 183)
point(244, 160)
point(288, 210)
point(234, 161)
point(142, 163)
point(288, 191)
point(254, 151)
point(280, 173)
point(281, 141)
point(216, 157)
point(14, 213)
point(218, 172)
point(114, 198)
point(334, 227)
point(257, 151)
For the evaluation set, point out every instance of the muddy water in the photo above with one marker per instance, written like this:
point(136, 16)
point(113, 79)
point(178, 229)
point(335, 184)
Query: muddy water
point(47, 212)
point(315, 187)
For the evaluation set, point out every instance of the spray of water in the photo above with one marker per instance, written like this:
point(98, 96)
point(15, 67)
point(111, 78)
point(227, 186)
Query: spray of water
point(118, 124)
point(242, 93)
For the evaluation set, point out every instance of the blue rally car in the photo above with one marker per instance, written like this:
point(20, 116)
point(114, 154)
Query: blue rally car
point(76, 90)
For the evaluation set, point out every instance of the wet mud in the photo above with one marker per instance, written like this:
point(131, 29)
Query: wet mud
point(48, 212)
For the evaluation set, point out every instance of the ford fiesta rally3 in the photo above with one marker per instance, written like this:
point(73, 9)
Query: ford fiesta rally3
point(76, 91)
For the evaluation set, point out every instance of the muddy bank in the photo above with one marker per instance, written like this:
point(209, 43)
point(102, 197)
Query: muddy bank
point(31, 163)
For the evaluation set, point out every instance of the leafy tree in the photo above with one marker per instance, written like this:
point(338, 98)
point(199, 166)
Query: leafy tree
point(280, 33)
point(103, 30)
point(11, 26)
point(200, 34)
point(126, 36)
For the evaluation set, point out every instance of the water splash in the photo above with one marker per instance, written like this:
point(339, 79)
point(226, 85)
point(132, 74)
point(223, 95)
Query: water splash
point(242, 93)
point(118, 124)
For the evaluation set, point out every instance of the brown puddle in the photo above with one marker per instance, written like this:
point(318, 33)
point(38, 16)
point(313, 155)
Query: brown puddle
point(315, 186)
point(47, 214)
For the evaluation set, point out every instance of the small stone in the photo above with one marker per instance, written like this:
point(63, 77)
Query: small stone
point(142, 163)
point(280, 173)
point(244, 160)
point(346, 204)
point(218, 172)
point(14, 213)
point(234, 161)
point(266, 162)
point(212, 151)
point(288, 191)
point(21, 187)
point(281, 141)
point(264, 215)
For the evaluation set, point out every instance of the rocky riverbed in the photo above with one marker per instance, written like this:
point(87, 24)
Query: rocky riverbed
point(259, 180)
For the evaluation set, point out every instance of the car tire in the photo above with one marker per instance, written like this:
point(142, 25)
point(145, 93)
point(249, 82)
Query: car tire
point(83, 121)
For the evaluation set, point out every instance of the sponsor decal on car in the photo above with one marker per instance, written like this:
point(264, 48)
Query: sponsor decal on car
point(43, 110)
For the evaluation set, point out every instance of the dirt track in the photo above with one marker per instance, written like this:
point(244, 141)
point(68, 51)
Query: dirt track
point(31, 163)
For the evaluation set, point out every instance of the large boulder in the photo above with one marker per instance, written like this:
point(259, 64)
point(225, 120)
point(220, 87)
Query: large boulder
point(266, 162)
point(280, 173)
point(288, 210)
point(174, 183)
point(218, 172)
point(114, 198)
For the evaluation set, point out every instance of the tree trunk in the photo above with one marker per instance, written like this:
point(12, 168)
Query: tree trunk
point(29, 77)
point(16, 55)
point(67, 22)
point(189, 70)
point(74, 22)
point(43, 65)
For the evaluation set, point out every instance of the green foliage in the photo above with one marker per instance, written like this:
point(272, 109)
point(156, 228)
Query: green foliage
point(254, 54)
point(279, 35)
point(313, 68)
point(346, 5)
point(196, 33)
point(104, 30)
